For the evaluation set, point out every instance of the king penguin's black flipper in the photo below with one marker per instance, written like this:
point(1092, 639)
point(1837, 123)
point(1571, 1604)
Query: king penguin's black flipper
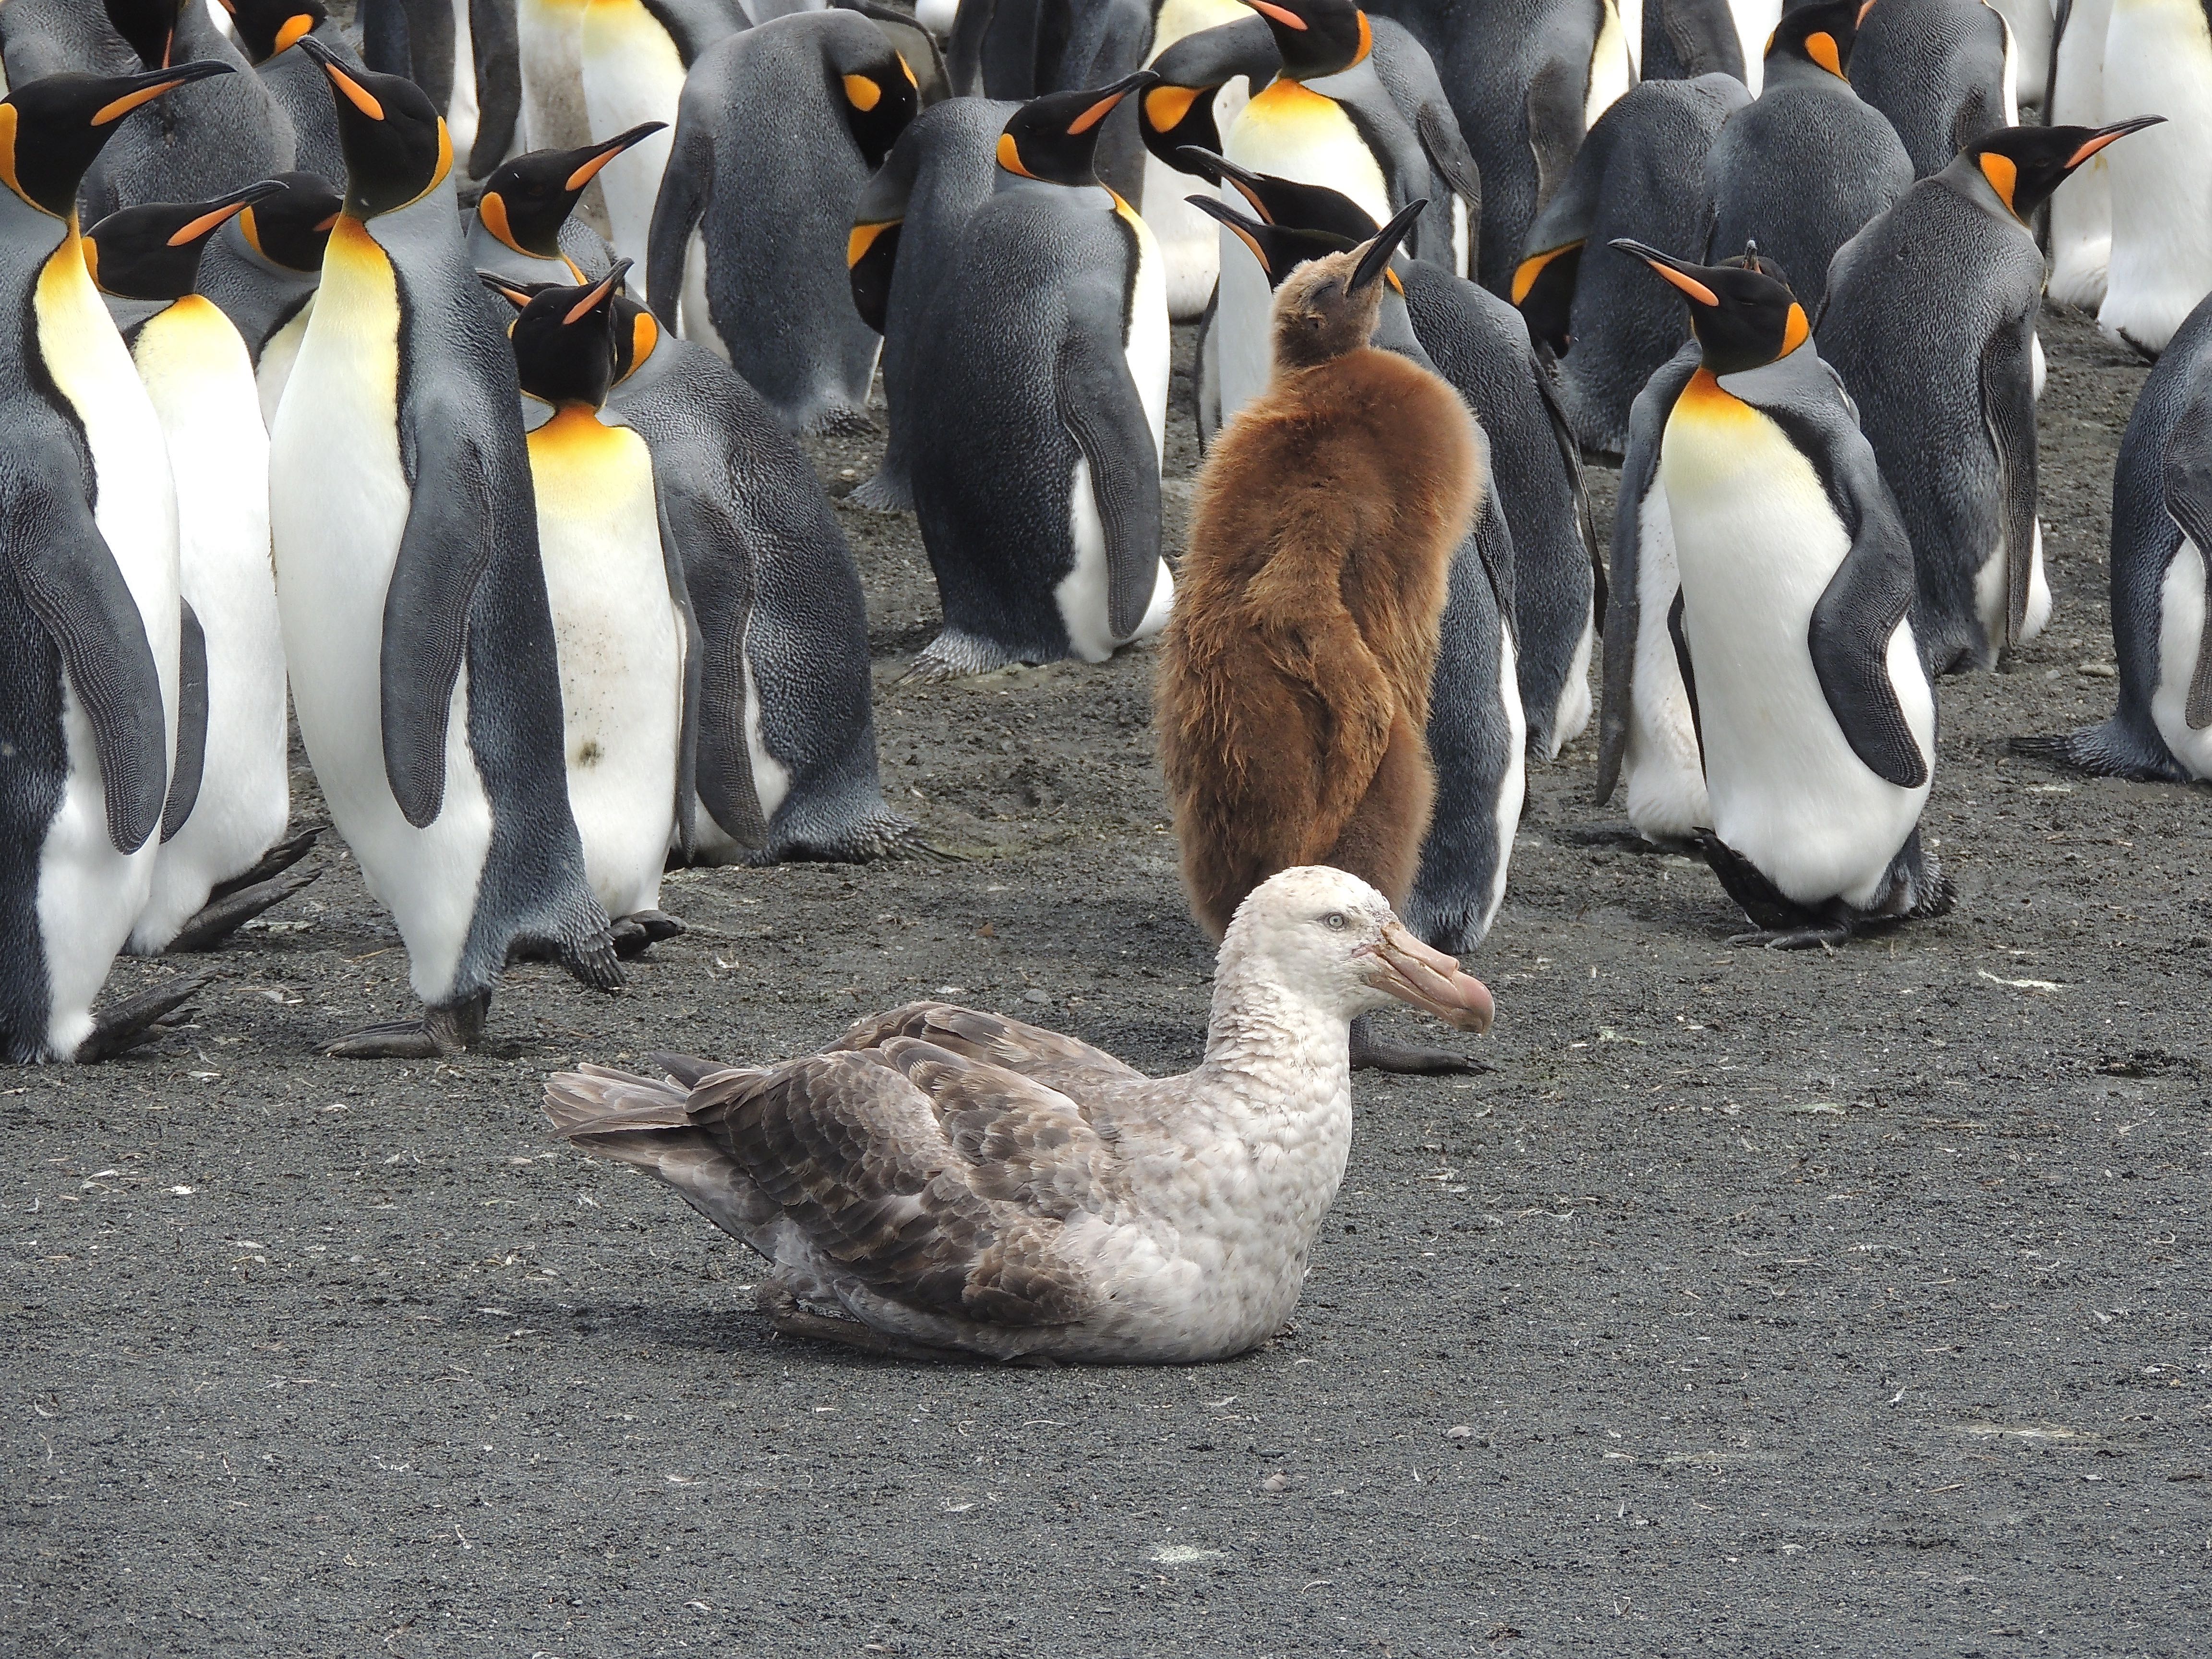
point(192, 722)
point(2008, 411)
point(2189, 501)
point(1099, 405)
point(70, 579)
point(1870, 594)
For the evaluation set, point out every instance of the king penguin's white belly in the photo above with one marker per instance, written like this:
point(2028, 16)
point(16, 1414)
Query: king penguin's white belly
point(1661, 770)
point(195, 370)
point(1081, 593)
point(1513, 788)
point(463, 114)
point(1291, 132)
point(1755, 21)
point(1992, 589)
point(632, 73)
point(2158, 60)
point(695, 319)
point(278, 353)
point(88, 893)
point(2030, 23)
point(2180, 627)
point(550, 33)
point(620, 643)
point(339, 504)
point(1756, 543)
point(2081, 208)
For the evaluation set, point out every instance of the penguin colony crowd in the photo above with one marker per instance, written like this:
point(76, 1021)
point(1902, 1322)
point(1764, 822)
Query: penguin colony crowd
point(514, 510)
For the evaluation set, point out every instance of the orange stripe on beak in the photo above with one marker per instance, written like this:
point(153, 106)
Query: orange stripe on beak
point(1092, 117)
point(1283, 14)
point(2093, 146)
point(1689, 285)
point(356, 94)
point(131, 101)
point(583, 307)
point(206, 222)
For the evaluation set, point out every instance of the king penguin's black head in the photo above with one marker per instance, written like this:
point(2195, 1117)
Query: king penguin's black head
point(1053, 137)
point(527, 200)
point(1317, 37)
point(1741, 311)
point(1280, 249)
point(881, 97)
point(52, 129)
point(265, 27)
point(1286, 201)
point(397, 149)
point(291, 225)
point(564, 339)
point(153, 252)
point(1329, 305)
point(1821, 35)
point(2024, 165)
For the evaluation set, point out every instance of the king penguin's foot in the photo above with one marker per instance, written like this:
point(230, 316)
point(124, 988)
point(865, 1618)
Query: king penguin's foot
point(1822, 935)
point(125, 1024)
point(632, 933)
point(443, 1030)
point(274, 862)
point(790, 1319)
point(219, 918)
point(1370, 1053)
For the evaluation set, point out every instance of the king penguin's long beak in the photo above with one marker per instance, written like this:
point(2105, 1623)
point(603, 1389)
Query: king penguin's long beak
point(1375, 256)
point(1680, 272)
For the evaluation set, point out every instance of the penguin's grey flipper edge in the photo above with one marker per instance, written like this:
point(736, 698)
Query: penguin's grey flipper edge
point(722, 766)
point(1553, 108)
point(71, 581)
point(1541, 367)
point(1445, 145)
point(426, 612)
point(192, 721)
point(1870, 594)
point(2188, 501)
point(685, 184)
point(1681, 635)
point(2008, 411)
point(1099, 406)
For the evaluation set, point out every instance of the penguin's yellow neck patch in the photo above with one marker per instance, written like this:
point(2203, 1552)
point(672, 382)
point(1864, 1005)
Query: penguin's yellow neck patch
point(1009, 156)
point(1285, 99)
point(644, 336)
point(295, 29)
point(1165, 106)
point(352, 248)
point(1704, 399)
point(1796, 330)
point(862, 94)
point(8, 153)
point(1525, 276)
point(2003, 176)
point(863, 238)
point(1821, 47)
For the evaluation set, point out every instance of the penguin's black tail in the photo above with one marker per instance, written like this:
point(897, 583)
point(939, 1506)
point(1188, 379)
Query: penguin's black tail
point(2109, 750)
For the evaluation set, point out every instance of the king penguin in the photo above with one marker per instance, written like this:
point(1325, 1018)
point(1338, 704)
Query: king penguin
point(213, 137)
point(1944, 71)
point(633, 60)
point(621, 615)
point(1190, 242)
point(261, 269)
point(1641, 174)
point(2161, 529)
point(906, 242)
point(424, 673)
point(786, 747)
point(1802, 167)
point(1950, 280)
point(777, 133)
point(1478, 735)
point(521, 228)
point(1048, 354)
point(230, 795)
point(2158, 56)
point(90, 609)
point(1814, 712)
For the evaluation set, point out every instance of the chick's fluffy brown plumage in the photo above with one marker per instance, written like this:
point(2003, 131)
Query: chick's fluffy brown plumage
point(1293, 692)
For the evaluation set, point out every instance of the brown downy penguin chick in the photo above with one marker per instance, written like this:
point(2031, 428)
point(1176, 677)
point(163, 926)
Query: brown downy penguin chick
point(1294, 685)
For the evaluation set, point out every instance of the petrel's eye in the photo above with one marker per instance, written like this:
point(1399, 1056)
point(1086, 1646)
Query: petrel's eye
point(1335, 921)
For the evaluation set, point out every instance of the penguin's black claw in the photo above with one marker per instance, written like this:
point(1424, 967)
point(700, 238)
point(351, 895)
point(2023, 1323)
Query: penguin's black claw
point(633, 933)
point(592, 962)
point(1823, 936)
point(441, 1032)
point(220, 918)
point(274, 862)
point(125, 1024)
point(1372, 1054)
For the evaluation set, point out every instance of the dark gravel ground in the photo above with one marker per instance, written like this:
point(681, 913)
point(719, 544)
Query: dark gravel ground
point(1839, 1305)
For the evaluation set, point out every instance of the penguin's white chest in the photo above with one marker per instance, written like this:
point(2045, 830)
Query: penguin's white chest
point(620, 643)
point(632, 73)
point(88, 893)
point(1289, 131)
point(1756, 545)
point(278, 353)
point(2158, 60)
point(1662, 771)
point(195, 371)
point(339, 503)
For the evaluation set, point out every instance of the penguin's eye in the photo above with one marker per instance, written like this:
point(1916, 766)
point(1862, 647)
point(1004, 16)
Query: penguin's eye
point(1335, 921)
